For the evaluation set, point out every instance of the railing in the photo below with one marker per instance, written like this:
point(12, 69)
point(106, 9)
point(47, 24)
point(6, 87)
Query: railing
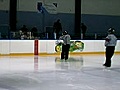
point(52, 36)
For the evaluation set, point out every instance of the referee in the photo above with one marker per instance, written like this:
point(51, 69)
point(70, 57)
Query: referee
point(66, 45)
point(110, 43)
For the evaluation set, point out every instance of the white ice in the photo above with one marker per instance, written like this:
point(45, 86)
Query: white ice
point(83, 72)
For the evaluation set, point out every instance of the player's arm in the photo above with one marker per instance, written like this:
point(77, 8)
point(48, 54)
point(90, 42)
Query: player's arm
point(107, 40)
point(61, 37)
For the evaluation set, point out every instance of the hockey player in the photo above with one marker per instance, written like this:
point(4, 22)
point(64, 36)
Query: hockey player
point(110, 43)
point(65, 45)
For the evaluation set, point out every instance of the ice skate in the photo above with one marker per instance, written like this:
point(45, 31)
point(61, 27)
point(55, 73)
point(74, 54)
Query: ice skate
point(106, 68)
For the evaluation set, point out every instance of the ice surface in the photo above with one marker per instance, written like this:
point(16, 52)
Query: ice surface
point(50, 73)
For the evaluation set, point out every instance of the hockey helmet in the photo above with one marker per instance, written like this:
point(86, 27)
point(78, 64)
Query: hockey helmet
point(65, 32)
point(111, 30)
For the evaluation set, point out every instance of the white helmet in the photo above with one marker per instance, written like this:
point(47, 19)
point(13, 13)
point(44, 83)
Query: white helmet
point(65, 32)
point(111, 30)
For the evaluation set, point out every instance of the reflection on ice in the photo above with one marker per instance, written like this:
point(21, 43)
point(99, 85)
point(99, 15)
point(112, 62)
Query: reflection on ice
point(72, 63)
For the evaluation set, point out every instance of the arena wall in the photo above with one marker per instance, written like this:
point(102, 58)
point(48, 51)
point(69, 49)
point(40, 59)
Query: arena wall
point(98, 15)
point(45, 47)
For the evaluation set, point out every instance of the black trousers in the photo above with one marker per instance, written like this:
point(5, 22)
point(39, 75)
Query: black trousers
point(65, 51)
point(109, 54)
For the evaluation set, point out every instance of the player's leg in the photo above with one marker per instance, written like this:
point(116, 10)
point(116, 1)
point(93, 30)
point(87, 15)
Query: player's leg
point(111, 52)
point(63, 52)
point(107, 54)
point(67, 51)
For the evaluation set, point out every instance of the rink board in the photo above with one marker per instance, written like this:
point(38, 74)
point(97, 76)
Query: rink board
point(48, 47)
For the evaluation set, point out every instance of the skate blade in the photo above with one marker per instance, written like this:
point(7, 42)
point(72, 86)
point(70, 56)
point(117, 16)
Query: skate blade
point(106, 69)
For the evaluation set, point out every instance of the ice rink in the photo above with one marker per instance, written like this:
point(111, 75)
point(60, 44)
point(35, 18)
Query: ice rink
point(83, 72)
